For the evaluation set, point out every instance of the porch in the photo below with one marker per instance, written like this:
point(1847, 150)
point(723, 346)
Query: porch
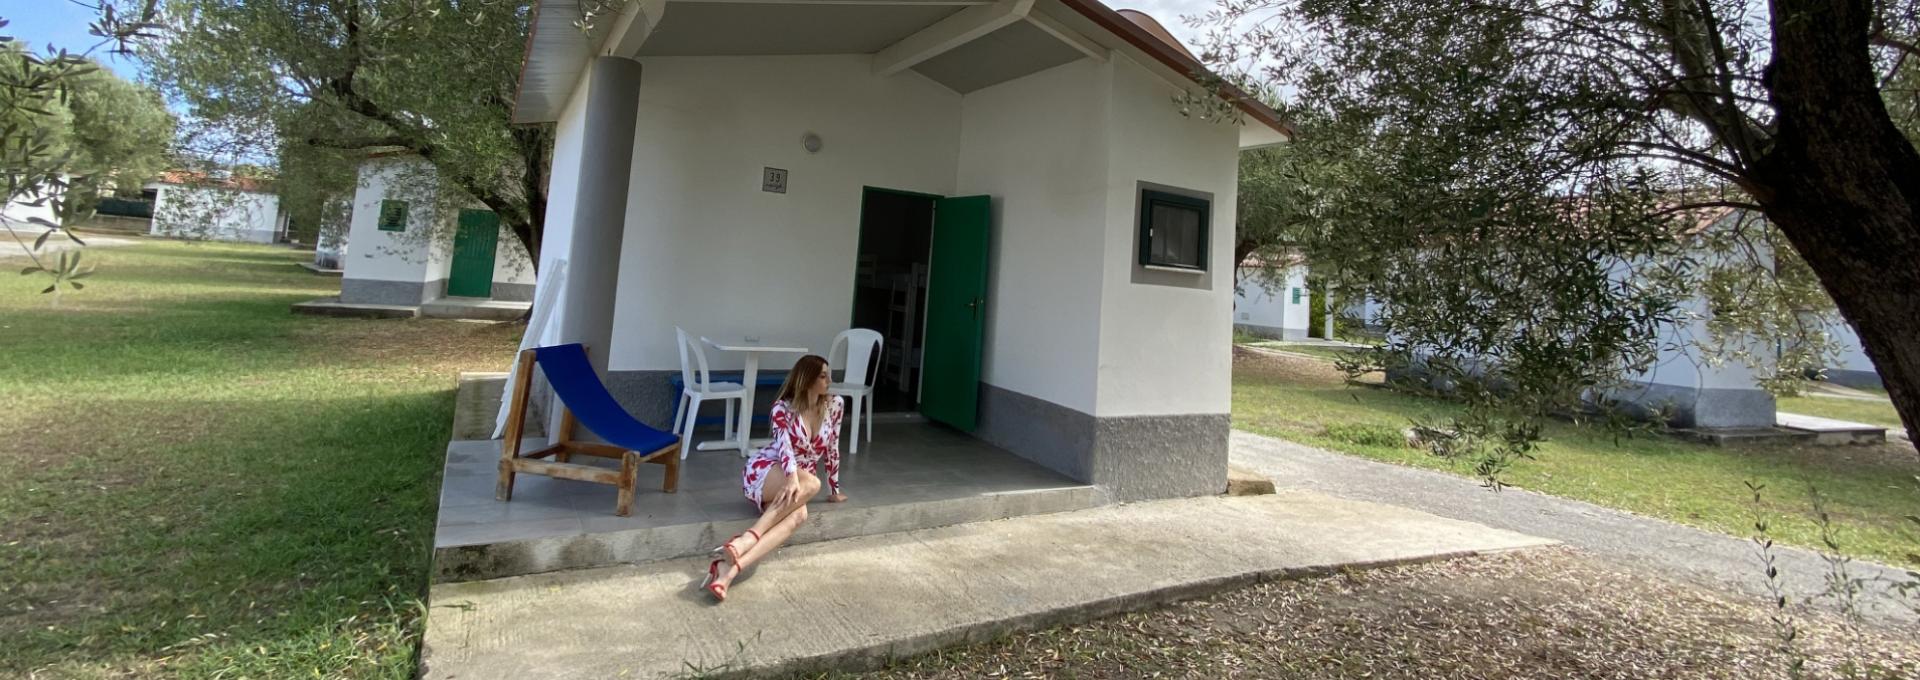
point(913, 475)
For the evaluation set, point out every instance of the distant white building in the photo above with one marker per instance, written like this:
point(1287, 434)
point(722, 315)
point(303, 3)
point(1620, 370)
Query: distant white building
point(1273, 302)
point(200, 206)
point(413, 244)
point(19, 214)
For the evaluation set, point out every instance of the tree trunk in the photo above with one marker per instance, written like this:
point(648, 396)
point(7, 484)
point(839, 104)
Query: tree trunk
point(1843, 184)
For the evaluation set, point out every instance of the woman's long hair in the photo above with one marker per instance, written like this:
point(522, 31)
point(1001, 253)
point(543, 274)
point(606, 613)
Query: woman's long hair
point(805, 371)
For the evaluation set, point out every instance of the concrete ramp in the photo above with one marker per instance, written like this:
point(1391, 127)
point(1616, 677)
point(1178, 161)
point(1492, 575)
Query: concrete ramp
point(858, 601)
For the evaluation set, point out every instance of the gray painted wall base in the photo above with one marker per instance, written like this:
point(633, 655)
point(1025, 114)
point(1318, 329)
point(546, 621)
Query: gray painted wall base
point(1685, 407)
point(1133, 458)
point(1271, 332)
point(380, 292)
point(512, 292)
point(1855, 379)
point(1702, 408)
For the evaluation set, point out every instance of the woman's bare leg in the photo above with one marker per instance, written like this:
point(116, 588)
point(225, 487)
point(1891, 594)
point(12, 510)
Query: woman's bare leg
point(774, 536)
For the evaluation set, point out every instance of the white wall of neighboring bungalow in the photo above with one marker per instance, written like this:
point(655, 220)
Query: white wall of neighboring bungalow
point(1268, 302)
point(423, 253)
point(1852, 355)
point(214, 213)
point(388, 255)
point(19, 215)
point(1175, 330)
point(707, 250)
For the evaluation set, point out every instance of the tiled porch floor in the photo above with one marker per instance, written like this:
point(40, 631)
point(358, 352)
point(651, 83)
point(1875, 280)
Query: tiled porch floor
point(907, 465)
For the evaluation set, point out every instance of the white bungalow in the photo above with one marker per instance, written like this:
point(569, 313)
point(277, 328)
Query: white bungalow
point(1273, 302)
point(412, 244)
point(215, 207)
point(773, 170)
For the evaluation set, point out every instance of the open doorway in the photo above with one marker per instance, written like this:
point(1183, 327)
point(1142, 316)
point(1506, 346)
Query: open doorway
point(890, 288)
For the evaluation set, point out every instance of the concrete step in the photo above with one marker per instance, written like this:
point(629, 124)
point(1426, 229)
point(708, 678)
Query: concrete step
point(332, 306)
point(539, 554)
point(474, 309)
point(1832, 432)
point(856, 602)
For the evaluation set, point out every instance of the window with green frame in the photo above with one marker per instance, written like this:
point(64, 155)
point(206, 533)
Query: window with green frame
point(1173, 230)
point(393, 215)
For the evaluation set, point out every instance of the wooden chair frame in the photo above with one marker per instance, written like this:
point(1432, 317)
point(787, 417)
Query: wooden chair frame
point(512, 462)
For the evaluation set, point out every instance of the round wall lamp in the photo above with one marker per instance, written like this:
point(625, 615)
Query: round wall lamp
point(811, 142)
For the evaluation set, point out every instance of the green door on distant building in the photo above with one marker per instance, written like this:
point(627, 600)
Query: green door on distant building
point(473, 244)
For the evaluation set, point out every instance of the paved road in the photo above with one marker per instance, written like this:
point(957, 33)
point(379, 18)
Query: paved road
point(55, 244)
point(1630, 540)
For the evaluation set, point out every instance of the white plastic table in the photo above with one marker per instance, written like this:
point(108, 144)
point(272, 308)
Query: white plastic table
point(753, 349)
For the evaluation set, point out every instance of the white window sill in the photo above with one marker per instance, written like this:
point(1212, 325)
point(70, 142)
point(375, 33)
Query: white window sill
point(1176, 270)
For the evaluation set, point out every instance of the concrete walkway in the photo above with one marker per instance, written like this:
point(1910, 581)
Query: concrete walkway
point(1630, 540)
point(865, 599)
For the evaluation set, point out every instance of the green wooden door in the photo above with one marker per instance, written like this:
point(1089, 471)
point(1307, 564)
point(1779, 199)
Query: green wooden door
point(956, 311)
point(473, 245)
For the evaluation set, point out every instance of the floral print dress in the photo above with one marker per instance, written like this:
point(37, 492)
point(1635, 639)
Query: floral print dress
point(793, 448)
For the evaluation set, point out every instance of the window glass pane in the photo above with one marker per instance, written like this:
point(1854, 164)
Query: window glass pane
point(1176, 235)
point(393, 215)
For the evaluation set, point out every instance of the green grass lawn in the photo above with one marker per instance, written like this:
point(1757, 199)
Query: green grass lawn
point(196, 483)
point(1856, 410)
point(1869, 490)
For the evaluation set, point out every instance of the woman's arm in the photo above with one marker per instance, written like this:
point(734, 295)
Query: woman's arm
point(787, 430)
point(832, 454)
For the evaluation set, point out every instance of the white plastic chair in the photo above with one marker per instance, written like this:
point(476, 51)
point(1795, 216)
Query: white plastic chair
point(697, 386)
point(861, 347)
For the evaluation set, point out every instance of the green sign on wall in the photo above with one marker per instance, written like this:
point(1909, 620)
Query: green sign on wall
point(1296, 295)
point(393, 215)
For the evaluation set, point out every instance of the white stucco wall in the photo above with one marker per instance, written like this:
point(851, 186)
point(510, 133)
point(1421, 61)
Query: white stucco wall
point(1038, 145)
point(18, 214)
point(707, 250)
point(1255, 304)
point(1853, 356)
point(1061, 152)
point(1682, 362)
point(424, 252)
point(214, 213)
point(1165, 349)
point(389, 255)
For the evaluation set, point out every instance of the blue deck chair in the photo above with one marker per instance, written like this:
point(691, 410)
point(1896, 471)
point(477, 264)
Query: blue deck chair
point(585, 401)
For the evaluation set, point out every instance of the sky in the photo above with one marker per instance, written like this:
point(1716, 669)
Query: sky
point(60, 23)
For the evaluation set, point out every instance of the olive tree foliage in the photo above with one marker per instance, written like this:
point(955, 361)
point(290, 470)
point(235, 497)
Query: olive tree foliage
point(322, 83)
point(37, 147)
point(1535, 189)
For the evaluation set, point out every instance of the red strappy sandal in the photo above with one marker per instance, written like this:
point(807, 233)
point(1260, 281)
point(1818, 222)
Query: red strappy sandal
point(717, 590)
point(732, 554)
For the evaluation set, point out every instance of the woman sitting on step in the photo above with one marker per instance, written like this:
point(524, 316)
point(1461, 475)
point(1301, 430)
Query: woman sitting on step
point(781, 477)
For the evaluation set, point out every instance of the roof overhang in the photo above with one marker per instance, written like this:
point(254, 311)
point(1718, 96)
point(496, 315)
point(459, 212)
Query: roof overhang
point(963, 44)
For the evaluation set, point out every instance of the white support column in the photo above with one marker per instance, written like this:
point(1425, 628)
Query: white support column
point(600, 213)
point(1332, 311)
